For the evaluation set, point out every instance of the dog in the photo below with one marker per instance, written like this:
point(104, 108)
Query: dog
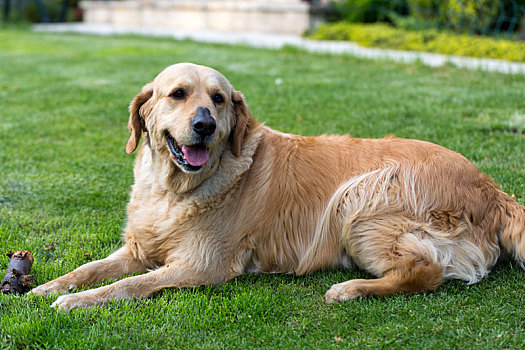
point(217, 195)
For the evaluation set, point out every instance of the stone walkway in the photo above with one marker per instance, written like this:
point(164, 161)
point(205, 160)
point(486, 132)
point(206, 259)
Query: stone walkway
point(276, 41)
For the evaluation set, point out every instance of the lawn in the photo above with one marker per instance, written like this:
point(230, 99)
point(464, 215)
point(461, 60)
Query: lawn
point(65, 179)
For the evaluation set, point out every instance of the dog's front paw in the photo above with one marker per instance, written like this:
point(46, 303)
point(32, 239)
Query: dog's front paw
point(56, 286)
point(343, 291)
point(67, 302)
point(73, 301)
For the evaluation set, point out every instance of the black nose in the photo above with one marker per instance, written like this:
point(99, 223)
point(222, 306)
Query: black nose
point(203, 123)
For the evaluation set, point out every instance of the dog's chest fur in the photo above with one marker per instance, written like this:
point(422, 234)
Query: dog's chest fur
point(164, 226)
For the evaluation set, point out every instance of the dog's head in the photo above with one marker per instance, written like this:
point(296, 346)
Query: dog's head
point(191, 114)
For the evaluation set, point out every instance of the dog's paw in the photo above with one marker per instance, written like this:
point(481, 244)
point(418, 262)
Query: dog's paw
point(70, 302)
point(343, 291)
point(66, 302)
point(55, 286)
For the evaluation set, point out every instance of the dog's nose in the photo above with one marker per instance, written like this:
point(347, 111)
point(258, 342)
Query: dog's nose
point(203, 123)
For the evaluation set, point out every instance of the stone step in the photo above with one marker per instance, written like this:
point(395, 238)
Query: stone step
point(265, 16)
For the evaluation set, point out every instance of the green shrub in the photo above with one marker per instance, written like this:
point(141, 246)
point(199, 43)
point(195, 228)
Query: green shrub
point(513, 13)
point(470, 15)
point(423, 9)
point(474, 16)
point(25, 11)
point(422, 14)
point(430, 40)
point(53, 7)
point(366, 11)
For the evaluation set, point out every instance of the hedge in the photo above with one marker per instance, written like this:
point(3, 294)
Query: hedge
point(429, 40)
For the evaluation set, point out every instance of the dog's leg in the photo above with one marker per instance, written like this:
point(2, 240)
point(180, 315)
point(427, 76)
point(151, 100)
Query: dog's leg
point(410, 277)
point(393, 247)
point(117, 264)
point(167, 276)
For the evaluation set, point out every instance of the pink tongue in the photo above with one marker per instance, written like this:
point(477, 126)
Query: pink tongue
point(195, 155)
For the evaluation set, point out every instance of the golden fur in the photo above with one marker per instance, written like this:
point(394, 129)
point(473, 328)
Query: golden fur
point(409, 212)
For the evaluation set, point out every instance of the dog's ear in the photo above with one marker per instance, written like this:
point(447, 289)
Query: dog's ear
point(241, 120)
point(140, 107)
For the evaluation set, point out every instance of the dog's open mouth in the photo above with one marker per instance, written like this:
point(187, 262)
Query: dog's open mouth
point(190, 158)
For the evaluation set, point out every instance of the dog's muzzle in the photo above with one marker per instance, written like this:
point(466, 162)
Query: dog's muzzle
point(192, 157)
point(189, 157)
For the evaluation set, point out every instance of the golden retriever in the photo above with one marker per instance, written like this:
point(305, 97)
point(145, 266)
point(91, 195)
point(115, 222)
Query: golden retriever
point(217, 194)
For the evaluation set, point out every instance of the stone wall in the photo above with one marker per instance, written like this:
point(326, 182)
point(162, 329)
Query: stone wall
point(267, 16)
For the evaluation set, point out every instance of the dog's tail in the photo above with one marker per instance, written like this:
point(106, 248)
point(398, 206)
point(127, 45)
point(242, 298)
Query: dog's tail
point(512, 230)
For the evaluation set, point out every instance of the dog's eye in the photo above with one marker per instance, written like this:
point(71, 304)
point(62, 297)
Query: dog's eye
point(178, 94)
point(217, 98)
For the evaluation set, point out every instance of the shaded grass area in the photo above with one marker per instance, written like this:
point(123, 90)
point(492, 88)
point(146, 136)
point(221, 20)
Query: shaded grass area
point(65, 178)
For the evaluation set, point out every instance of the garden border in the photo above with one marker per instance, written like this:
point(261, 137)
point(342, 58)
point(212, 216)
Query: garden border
point(276, 41)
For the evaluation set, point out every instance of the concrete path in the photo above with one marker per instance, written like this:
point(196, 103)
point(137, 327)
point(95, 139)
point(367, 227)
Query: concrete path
point(276, 41)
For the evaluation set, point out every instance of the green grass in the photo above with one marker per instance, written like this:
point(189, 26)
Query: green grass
point(65, 178)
